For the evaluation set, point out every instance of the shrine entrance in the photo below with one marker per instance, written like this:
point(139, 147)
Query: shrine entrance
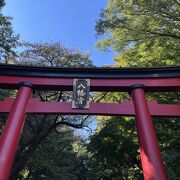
point(136, 81)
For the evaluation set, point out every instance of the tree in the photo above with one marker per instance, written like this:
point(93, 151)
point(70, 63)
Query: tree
point(52, 54)
point(55, 158)
point(40, 129)
point(142, 33)
point(114, 147)
point(8, 40)
point(114, 151)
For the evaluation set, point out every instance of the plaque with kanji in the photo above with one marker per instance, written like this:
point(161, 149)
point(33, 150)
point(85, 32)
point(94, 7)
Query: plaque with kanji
point(81, 88)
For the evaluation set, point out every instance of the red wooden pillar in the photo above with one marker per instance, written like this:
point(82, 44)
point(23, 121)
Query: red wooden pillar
point(12, 130)
point(151, 159)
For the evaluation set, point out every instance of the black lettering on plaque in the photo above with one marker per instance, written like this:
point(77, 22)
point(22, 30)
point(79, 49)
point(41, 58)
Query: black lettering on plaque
point(81, 88)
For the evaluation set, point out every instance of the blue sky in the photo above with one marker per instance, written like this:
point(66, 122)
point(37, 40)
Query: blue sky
point(71, 22)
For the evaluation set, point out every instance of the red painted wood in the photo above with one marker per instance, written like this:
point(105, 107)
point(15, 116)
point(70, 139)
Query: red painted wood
point(152, 84)
point(12, 131)
point(151, 159)
point(126, 108)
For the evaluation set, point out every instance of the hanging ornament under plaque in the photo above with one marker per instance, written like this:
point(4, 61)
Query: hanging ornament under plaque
point(81, 88)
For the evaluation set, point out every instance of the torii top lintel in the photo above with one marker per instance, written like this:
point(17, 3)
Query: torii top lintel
point(102, 79)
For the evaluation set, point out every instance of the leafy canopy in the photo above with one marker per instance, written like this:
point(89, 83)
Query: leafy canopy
point(8, 40)
point(142, 33)
point(145, 34)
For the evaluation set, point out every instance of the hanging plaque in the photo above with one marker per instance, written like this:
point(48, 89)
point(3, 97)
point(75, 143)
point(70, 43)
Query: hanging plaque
point(81, 88)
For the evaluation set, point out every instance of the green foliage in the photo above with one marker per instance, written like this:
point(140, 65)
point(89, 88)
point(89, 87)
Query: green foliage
point(116, 139)
point(145, 34)
point(52, 54)
point(55, 158)
point(168, 132)
point(2, 3)
point(114, 151)
point(142, 33)
point(8, 40)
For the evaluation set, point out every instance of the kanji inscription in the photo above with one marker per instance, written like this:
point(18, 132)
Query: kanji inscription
point(81, 88)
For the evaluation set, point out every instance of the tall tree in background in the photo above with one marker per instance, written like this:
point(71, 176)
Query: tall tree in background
point(52, 54)
point(8, 40)
point(114, 150)
point(34, 159)
point(46, 149)
point(114, 146)
point(142, 33)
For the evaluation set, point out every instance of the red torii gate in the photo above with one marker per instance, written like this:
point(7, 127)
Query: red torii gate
point(133, 80)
